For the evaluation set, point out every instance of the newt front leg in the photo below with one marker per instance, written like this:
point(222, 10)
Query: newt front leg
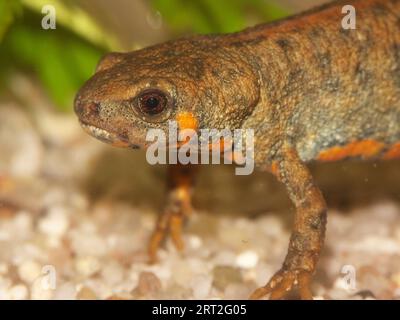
point(308, 232)
point(178, 207)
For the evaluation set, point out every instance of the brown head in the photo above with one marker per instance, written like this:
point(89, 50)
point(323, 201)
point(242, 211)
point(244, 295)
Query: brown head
point(197, 82)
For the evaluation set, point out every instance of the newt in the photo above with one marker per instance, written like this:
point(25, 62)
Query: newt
point(311, 90)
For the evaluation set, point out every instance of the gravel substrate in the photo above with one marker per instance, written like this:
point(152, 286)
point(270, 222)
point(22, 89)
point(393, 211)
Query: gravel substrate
point(57, 242)
point(100, 253)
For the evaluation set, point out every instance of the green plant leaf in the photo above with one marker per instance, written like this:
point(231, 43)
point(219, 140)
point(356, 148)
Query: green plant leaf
point(8, 9)
point(61, 60)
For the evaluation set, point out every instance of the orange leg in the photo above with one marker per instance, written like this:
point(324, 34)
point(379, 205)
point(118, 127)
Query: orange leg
point(178, 207)
point(308, 231)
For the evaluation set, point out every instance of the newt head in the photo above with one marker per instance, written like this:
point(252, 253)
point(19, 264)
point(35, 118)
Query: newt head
point(196, 82)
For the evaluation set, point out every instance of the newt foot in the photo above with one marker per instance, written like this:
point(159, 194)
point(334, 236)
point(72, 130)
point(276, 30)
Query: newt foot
point(169, 224)
point(283, 282)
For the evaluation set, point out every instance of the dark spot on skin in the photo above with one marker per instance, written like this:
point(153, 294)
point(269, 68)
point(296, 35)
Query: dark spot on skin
point(332, 84)
point(315, 33)
point(396, 71)
point(316, 223)
point(124, 135)
point(345, 33)
point(170, 53)
point(164, 64)
point(368, 131)
point(297, 241)
point(324, 60)
point(396, 52)
point(286, 46)
point(362, 75)
point(196, 69)
point(283, 43)
point(294, 78)
point(323, 57)
point(215, 73)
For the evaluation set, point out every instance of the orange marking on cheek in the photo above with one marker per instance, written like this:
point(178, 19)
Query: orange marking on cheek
point(187, 120)
point(275, 168)
point(393, 152)
point(365, 149)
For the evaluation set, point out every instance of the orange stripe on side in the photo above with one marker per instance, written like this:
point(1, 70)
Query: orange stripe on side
point(393, 152)
point(365, 149)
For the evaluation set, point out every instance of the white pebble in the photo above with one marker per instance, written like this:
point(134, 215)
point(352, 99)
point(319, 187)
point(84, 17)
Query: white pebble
point(23, 222)
point(28, 271)
point(201, 286)
point(3, 268)
point(247, 259)
point(55, 223)
point(18, 292)
point(263, 272)
point(182, 273)
point(343, 284)
point(376, 244)
point(29, 148)
point(99, 288)
point(225, 258)
point(66, 291)
point(40, 289)
point(396, 293)
point(88, 243)
point(5, 284)
point(195, 242)
point(235, 291)
point(87, 266)
point(112, 273)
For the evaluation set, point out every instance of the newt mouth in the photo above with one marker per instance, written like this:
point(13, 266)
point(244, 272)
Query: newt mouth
point(107, 136)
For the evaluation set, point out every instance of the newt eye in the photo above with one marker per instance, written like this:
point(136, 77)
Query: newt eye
point(152, 102)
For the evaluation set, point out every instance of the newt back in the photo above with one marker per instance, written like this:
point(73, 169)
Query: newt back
point(334, 93)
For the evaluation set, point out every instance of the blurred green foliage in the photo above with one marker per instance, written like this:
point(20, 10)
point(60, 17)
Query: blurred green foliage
point(64, 58)
point(216, 16)
point(60, 59)
point(8, 9)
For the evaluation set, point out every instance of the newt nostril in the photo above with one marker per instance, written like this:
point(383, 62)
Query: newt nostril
point(93, 108)
point(86, 108)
